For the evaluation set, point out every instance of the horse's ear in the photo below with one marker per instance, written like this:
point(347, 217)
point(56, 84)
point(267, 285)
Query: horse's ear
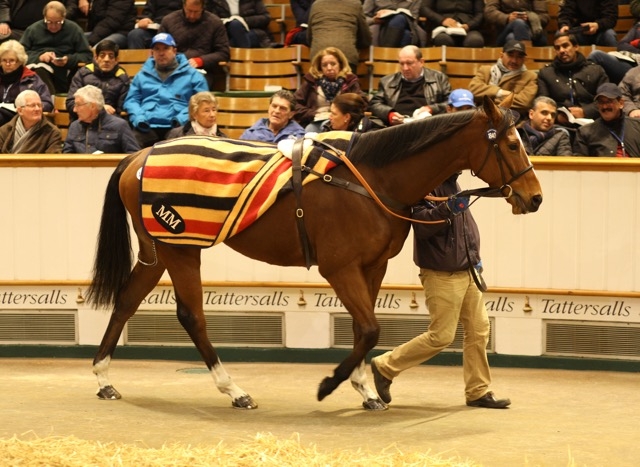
point(491, 109)
point(507, 101)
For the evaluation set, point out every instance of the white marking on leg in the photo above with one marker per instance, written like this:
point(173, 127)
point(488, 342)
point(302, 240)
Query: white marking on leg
point(224, 383)
point(359, 382)
point(101, 370)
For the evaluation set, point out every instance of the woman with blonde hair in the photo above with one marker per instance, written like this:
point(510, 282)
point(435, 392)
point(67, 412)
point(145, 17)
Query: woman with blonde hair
point(15, 77)
point(203, 115)
point(328, 76)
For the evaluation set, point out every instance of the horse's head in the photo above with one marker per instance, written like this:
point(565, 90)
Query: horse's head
point(505, 165)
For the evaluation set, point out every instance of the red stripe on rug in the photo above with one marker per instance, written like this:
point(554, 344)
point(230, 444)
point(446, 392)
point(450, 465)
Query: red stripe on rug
point(198, 174)
point(193, 227)
point(262, 194)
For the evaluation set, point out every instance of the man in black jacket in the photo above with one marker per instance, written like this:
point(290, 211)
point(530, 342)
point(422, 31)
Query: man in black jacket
point(593, 21)
point(106, 19)
point(613, 134)
point(147, 26)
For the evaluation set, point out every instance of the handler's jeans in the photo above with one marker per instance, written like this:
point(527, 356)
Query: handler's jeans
point(450, 297)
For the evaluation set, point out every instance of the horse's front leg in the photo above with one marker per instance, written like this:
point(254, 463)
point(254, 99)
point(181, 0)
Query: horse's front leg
point(358, 292)
point(185, 275)
point(371, 400)
point(141, 282)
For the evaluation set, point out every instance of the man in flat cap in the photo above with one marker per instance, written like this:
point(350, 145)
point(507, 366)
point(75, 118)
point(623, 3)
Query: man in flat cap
point(612, 134)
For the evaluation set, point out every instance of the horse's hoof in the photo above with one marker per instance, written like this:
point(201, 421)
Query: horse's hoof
point(108, 393)
point(374, 404)
point(244, 402)
point(326, 388)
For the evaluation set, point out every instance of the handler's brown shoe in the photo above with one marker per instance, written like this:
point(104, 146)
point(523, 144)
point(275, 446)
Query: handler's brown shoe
point(382, 383)
point(488, 401)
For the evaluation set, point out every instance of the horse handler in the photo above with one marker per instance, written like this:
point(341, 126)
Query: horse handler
point(447, 254)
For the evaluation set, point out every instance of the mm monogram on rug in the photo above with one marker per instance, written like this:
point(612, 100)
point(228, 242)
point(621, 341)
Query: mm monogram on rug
point(199, 190)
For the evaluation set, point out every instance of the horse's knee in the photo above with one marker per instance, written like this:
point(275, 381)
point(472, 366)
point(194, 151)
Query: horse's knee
point(369, 337)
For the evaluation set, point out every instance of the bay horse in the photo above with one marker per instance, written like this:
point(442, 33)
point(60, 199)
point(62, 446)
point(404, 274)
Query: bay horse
point(350, 237)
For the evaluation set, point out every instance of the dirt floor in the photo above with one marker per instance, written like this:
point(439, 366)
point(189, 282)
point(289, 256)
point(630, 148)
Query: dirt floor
point(558, 417)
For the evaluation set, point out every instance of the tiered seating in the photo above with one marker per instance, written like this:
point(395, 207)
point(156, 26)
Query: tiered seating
point(237, 113)
point(132, 59)
point(259, 69)
point(61, 117)
point(461, 63)
point(384, 61)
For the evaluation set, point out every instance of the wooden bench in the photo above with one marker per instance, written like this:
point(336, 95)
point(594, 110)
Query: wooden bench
point(237, 113)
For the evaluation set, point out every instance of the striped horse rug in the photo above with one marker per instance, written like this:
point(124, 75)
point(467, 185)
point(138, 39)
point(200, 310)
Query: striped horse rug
point(199, 191)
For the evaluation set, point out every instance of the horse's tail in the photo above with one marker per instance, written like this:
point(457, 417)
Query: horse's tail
point(113, 259)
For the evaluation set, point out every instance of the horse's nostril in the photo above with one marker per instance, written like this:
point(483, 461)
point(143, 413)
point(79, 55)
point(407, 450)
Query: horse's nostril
point(537, 200)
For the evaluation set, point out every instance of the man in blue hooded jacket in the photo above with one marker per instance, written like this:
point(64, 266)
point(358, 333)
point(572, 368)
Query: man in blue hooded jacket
point(158, 98)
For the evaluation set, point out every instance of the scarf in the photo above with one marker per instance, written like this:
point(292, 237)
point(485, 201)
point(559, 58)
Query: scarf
point(165, 71)
point(536, 137)
point(200, 130)
point(567, 68)
point(330, 88)
point(499, 70)
point(19, 136)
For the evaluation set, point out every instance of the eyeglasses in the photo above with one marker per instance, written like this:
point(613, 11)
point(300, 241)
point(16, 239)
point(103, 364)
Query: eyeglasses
point(9, 61)
point(80, 104)
point(53, 23)
point(33, 106)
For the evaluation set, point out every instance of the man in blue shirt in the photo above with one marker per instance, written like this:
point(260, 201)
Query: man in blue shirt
point(278, 125)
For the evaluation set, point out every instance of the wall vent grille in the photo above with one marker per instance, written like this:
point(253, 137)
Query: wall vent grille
point(38, 327)
point(592, 339)
point(395, 330)
point(224, 329)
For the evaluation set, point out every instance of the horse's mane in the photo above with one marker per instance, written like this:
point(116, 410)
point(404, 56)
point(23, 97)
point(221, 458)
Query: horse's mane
point(382, 147)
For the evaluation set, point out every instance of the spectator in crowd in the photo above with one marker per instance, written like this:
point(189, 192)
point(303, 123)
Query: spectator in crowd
point(279, 124)
point(105, 73)
point(634, 6)
point(394, 23)
point(591, 21)
point(18, 15)
point(414, 91)
point(55, 47)
point(618, 63)
point(15, 77)
point(28, 132)
point(301, 10)
point(158, 98)
point(148, 24)
point(106, 19)
point(539, 135)
point(348, 114)
point(200, 36)
point(340, 24)
point(247, 22)
point(203, 117)
point(571, 80)
point(96, 131)
point(447, 251)
point(520, 20)
point(630, 88)
point(465, 14)
point(612, 134)
point(329, 75)
point(508, 76)
point(460, 99)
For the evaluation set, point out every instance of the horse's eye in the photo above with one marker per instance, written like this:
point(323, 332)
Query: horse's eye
point(514, 146)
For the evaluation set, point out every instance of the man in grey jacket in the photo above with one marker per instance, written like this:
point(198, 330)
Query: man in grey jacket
point(413, 92)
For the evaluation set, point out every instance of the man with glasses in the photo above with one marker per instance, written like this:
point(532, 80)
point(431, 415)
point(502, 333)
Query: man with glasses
point(28, 132)
point(104, 73)
point(613, 134)
point(55, 47)
point(413, 92)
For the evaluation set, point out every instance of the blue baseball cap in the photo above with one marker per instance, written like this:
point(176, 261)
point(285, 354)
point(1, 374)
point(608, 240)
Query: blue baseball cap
point(461, 97)
point(163, 38)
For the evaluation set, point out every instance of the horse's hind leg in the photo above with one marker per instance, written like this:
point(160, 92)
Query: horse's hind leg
point(184, 268)
point(141, 282)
